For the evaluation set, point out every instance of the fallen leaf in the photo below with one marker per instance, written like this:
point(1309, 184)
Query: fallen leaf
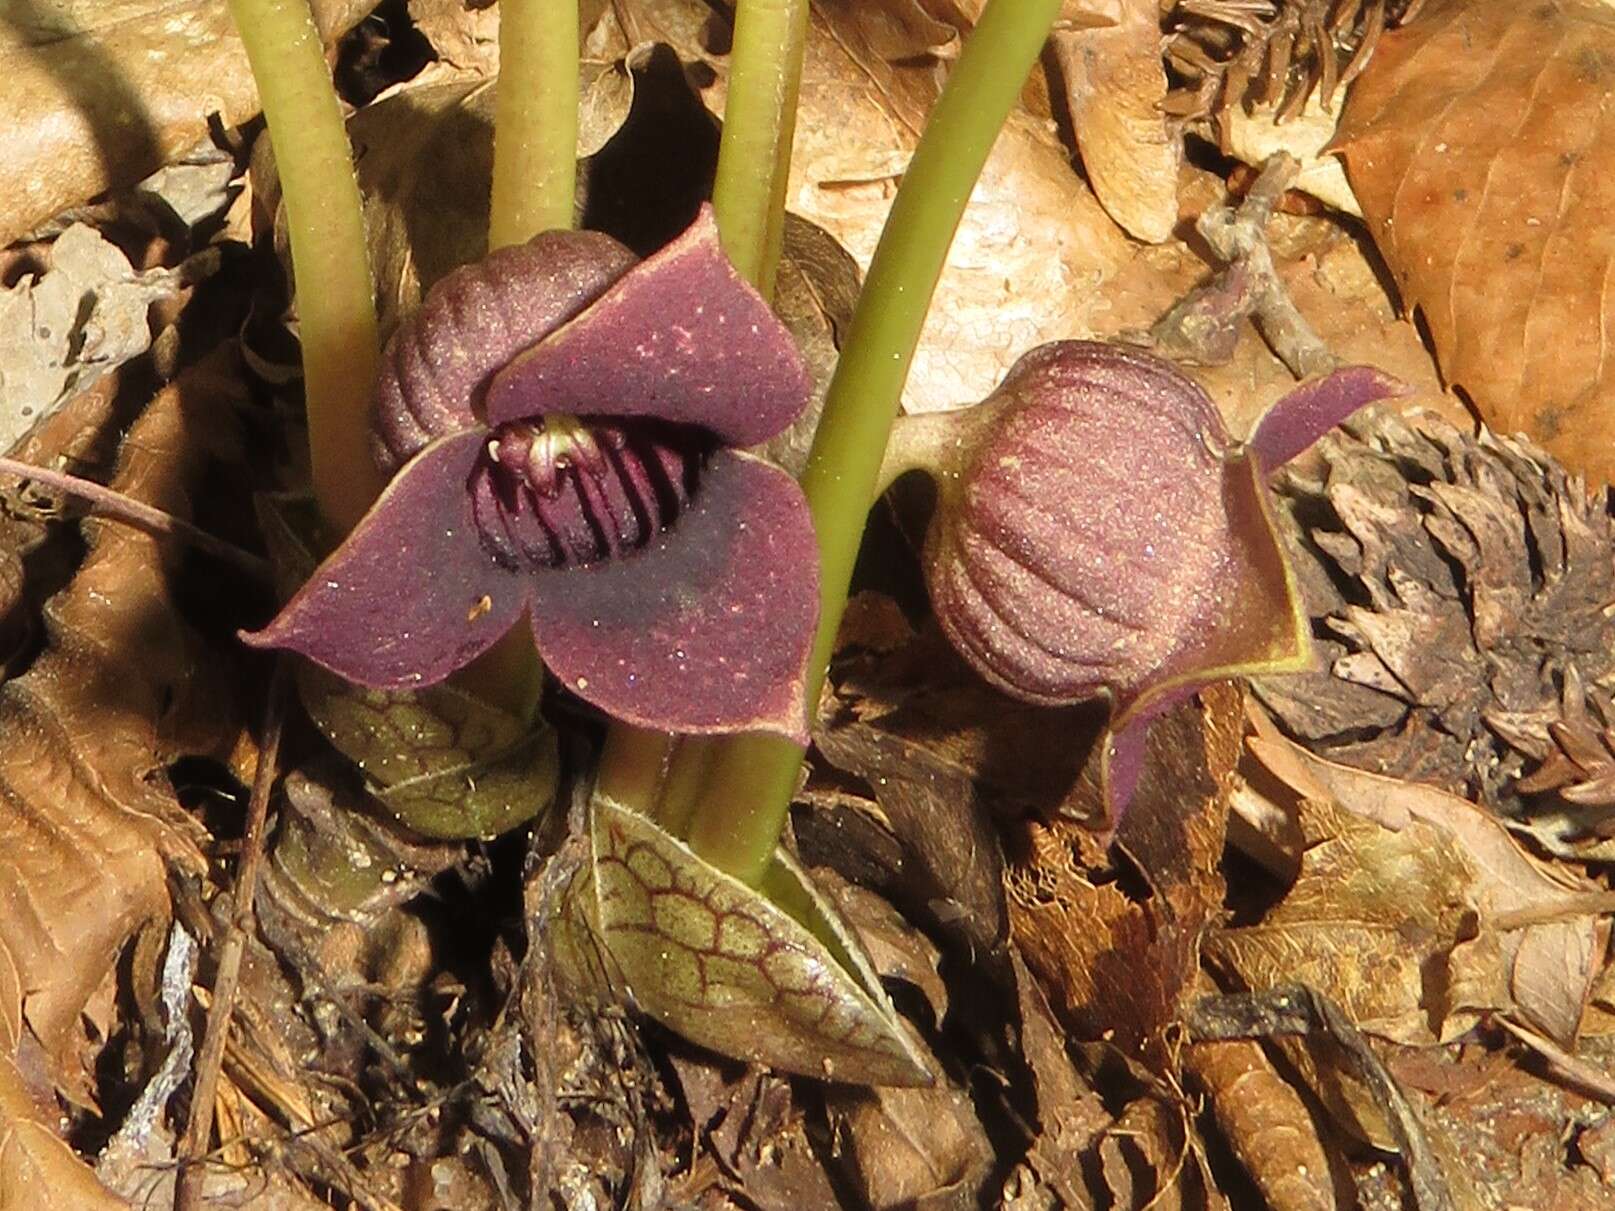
point(1252, 133)
point(751, 1126)
point(1150, 1162)
point(59, 331)
point(1266, 1123)
point(1118, 964)
point(815, 292)
point(1115, 83)
point(89, 833)
point(899, 30)
point(921, 1148)
point(1375, 921)
point(1071, 1115)
point(100, 93)
point(1549, 962)
point(1475, 141)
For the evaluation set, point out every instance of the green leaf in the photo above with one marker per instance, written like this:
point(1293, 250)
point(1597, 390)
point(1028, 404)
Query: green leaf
point(770, 975)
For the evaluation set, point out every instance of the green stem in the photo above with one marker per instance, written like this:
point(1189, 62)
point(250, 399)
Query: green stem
point(534, 181)
point(765, 72)
point(632, 765)
point(536, 120)
point(749, 788)
point(765, 75)
point(336, 307)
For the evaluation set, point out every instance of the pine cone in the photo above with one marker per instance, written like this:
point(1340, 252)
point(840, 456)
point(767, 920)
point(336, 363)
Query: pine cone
point(1225, 53)
point(1461, 592)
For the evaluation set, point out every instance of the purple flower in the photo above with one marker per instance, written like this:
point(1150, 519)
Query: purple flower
point(566, 422)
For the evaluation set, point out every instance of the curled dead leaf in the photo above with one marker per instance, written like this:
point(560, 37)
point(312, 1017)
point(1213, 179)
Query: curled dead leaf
point(1114, 86)
point(1115, 966)
point(1546, 961)
point(83, 316)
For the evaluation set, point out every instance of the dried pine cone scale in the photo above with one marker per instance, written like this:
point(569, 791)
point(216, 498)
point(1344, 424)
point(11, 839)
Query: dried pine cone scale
point(1460, 589)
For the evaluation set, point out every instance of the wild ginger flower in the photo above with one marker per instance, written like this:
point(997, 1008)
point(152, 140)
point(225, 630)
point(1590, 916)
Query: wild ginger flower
point(1102, 535)
point(565, 423)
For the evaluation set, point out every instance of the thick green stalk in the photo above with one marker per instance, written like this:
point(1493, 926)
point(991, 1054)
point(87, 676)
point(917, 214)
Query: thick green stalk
point(749, 788)
point(534, 180)
point(765, 72)
point(765, 75)
point(536, 120)
point(336, 307)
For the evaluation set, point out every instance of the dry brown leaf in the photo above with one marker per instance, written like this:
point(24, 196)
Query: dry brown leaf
point(899, 30)
point(753, 1146)
point(1478, 144)
point(1114, 85)
point(99, 93)
point(88, 834)
point(1252, 133)
point(1114, 966)
point(1378, 921)
point(1150, 1161)
point(464, 34)
point(814, 294)
point(1265, 1122)
point(74, 437)
point(59, 332)
point(1071, 1115)
point(1549, 965)
point(952, 866)
point(912, 1148)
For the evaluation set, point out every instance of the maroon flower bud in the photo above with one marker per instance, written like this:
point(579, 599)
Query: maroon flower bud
point(1104, 536)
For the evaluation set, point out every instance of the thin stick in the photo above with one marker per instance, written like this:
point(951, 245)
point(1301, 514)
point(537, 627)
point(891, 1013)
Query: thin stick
point(1572, 1069)
point(115, 506)
point(1203, 328)
point(210, 1060)
point(1587, 904)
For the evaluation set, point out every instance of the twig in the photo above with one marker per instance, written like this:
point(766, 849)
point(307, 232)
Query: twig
point(1573, 1070)
point(1586, 904)
point(111, 503)
point(1203, 327)
point(188, 1190)
point(1301, 1010)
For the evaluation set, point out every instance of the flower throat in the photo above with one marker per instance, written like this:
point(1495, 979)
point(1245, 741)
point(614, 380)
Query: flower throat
point(564, 491)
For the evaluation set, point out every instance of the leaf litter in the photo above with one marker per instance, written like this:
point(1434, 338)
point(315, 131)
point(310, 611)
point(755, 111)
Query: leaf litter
point(1444, 893)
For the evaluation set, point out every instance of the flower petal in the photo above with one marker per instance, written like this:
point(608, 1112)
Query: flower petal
point(708, 628)
point(1252, 622)
point(1315, 407)
point(680, 337)
point(412, 594)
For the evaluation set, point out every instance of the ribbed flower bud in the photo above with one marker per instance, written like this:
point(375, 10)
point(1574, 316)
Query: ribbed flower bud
point(1100, 533)
point(1088, 536)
